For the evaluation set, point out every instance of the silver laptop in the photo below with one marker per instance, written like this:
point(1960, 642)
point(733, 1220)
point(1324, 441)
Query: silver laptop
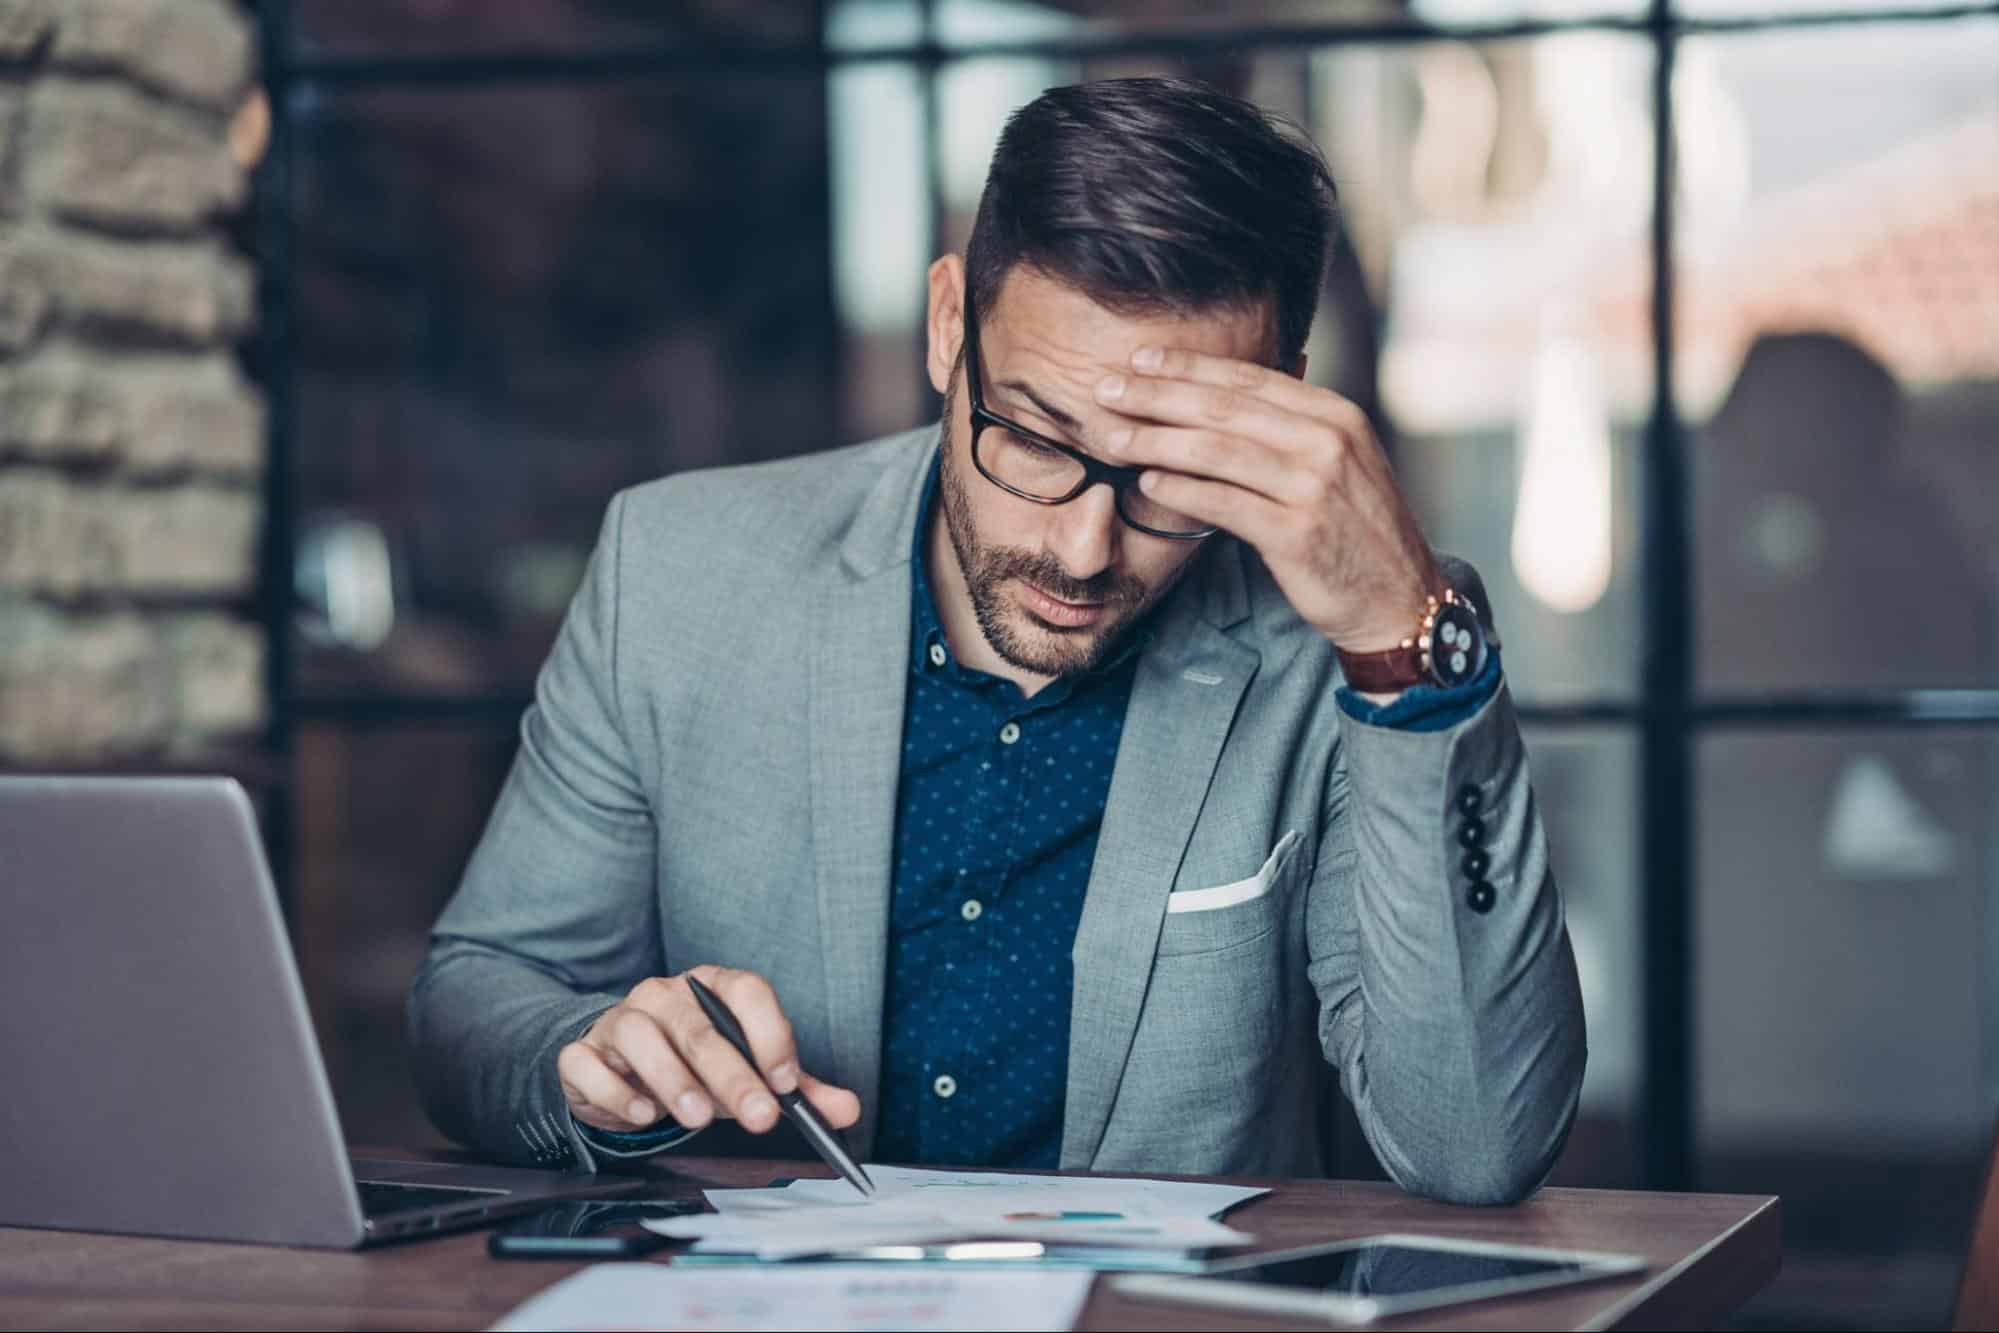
point(158, 1071)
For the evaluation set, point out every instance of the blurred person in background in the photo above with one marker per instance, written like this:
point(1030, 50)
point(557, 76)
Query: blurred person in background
point(1083, 782)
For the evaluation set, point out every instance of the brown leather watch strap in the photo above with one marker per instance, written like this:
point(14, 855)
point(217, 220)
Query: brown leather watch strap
point(1388, 671)
point(1407, 663)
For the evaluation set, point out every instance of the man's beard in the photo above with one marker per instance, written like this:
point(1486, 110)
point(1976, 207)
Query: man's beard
point(1044, 649)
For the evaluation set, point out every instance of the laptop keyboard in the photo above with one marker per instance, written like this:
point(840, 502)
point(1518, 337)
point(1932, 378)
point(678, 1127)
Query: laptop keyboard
point(380, 1198)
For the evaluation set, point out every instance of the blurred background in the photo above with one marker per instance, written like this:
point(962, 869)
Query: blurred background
point(327, 329)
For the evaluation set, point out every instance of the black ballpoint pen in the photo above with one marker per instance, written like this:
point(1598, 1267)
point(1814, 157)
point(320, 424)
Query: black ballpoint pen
point(816, 1131)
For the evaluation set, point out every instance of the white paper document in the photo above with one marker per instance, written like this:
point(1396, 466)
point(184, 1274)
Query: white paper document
point(821, 1296)
point(922, 1207)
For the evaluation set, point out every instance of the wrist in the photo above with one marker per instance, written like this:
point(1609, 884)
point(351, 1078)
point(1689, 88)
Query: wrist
point(1445, 645)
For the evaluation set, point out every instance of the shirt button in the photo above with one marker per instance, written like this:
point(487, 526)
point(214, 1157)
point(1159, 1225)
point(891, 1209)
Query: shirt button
point(944, 1086)
point(937, 654)
point(972, 909)
point(1009, 733)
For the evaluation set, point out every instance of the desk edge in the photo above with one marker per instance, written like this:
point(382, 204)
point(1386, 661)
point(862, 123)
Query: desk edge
point(1662, 1283)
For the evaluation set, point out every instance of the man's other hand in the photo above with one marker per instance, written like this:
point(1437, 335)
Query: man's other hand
point(656, 1054)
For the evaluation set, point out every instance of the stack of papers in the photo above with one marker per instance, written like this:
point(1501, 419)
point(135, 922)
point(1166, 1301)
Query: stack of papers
point(1095, 1222)
point(635, 1296)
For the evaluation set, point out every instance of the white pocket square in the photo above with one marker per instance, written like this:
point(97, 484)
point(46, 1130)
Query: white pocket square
point(1228, 895)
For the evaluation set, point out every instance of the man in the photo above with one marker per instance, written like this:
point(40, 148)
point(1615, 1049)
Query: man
point(1000, 775)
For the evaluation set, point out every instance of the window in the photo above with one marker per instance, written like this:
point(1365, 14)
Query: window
point(518, 256)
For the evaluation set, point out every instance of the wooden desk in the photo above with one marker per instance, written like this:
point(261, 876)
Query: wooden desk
point(1710, 1253)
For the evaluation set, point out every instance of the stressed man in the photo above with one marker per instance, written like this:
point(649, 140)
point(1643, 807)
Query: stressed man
point(1083, 781)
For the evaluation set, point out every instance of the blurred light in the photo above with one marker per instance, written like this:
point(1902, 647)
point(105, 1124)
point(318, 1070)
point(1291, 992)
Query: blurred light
point(538, 579)
point(1877, 830)
point(346, 579)
point(881, 209)
point(250, 130)
point(1562, 525)
point(1457, 132)
point(1787, 536)
point(881, 203)
point(976, 96)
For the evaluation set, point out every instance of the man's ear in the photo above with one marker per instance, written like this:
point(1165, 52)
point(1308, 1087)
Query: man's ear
point(945, 322)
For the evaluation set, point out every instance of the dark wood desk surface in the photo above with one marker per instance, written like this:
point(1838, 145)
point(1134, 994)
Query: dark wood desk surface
point(1709, 1253)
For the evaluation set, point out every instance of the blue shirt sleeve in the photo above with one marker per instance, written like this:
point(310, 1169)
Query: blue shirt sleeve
point(641, 1143)
point(1427, 707)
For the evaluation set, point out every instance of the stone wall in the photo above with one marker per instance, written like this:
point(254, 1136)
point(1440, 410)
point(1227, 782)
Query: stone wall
point(131, 445)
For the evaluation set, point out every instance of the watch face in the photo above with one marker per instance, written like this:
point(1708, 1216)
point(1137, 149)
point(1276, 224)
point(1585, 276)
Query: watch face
point(1457, 645)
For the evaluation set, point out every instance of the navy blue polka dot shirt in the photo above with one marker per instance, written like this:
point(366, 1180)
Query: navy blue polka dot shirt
point(996, 826)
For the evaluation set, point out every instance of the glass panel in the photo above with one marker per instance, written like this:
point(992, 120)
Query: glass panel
point(1840, 354)
point(1587, 784)
point(1845, 983)
point(1725, 9)
point(965, 23)
point(511, 302)
point(446, 27)
point(374, 868)
point(1488, 190)
point(881, 242)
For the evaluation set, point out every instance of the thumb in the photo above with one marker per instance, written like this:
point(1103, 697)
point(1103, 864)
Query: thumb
point(839, 1105)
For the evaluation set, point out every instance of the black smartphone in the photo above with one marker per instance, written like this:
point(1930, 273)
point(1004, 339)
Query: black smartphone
point(589, 1229)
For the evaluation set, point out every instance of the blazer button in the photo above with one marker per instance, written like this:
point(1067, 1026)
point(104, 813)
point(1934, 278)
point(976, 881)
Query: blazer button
point(1476, 863)
point(1469, 799)
point(1480, 897)
point(1471, 833)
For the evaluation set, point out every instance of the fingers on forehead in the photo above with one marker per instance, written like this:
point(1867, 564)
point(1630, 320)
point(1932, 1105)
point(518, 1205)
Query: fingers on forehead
point(1207, 368)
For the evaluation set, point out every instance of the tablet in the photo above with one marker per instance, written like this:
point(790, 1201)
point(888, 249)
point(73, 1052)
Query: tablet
point(1357, 1281)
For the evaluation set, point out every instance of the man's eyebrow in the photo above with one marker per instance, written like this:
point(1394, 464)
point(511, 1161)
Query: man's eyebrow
point(1042, 405)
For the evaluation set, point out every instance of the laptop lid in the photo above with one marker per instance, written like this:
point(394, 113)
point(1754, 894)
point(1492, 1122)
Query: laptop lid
point(161, 1074)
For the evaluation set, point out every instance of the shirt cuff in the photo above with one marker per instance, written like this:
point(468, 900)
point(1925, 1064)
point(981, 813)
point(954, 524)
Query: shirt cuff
point(1426, 707)
point(642, 1143)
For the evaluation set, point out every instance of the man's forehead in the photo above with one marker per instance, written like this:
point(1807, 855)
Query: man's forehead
point(1036, 313)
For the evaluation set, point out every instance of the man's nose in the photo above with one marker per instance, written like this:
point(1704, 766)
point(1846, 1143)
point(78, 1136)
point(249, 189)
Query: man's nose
point(1085, 534)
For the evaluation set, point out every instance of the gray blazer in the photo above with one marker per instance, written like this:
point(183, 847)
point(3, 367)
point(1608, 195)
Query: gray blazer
point(708, 774)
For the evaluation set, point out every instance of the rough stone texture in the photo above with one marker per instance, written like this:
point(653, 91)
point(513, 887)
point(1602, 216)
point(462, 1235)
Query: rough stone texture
point(219, 674)
point(188, 540)
point(78, 688)
point(156, 416)
point(57, 413)
point(130, 442)
point(190, 293)
point(13, 117)
point(23, 25)
point(24, 294)
point(198, 50)
point(101, 153)
point(64, 539)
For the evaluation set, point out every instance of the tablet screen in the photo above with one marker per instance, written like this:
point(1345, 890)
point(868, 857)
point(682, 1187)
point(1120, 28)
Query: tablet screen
point(1397, 1270)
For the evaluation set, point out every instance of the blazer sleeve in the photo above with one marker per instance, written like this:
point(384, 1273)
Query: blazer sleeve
point(556, 916)
point(1452, 1012)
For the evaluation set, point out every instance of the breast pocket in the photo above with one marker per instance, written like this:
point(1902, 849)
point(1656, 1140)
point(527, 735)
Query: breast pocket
point(1224, 915)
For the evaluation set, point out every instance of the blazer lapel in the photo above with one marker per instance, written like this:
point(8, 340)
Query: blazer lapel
point(860, 677)
point(1184, 697)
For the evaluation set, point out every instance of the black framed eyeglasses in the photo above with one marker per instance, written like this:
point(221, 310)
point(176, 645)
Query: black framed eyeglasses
point(1048, 472)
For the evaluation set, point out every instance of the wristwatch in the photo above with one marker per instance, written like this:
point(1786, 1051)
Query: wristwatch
point(1448, 649)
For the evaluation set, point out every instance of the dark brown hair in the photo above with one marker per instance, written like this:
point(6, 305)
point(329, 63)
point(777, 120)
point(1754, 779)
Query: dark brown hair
point(1158, 195)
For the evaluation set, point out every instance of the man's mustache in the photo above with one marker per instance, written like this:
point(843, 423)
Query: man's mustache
point(1047, 574)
